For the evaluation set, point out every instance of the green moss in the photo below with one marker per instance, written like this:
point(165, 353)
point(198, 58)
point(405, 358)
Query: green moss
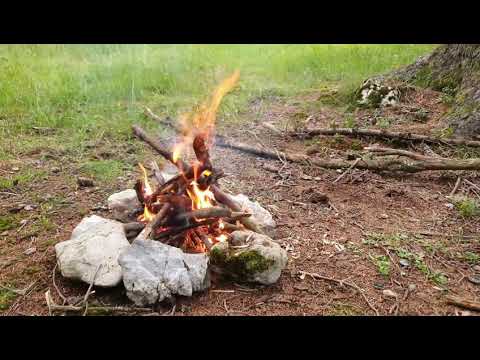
point(242, 266)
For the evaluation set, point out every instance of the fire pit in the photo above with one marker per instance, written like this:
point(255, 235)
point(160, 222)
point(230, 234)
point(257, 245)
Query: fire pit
point(186, 226)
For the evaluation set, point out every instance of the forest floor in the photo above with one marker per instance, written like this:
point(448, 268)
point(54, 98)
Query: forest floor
point(395, 237)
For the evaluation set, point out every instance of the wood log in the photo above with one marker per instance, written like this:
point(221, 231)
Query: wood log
point(211, 212)
point(140, 133)
point(133, 226)
point(464, 303)
point(180, 229)
point(201, 150)
point(228, 201)
point(157, 173)
point(420, 163)
point(383, 134)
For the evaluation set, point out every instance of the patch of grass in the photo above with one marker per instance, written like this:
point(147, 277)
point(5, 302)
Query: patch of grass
point(7, 222)
point(103, 170)
point(467, 207)
point(349, 121)
point(383, 123)
point(6, 299)
point(382, 263)
point(470, 257)
point(88, 91)
point(23, 177)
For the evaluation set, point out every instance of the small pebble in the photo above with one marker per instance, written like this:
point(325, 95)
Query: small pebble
point(389, 293)
point(55, 169)
point(23, 222)
point(383, 216)
point(476, 268)
point(84, 182)
point(15, 169)
point(412, 287)
point(29, 207)
point(404, 262)
point(5, 233)
point(30, 251)
point(475, 279)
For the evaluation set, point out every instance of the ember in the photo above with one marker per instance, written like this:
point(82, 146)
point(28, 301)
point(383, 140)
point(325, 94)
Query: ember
point(184, 211)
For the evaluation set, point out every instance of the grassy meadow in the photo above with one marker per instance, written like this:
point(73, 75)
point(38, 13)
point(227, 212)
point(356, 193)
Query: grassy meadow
point(92, 92)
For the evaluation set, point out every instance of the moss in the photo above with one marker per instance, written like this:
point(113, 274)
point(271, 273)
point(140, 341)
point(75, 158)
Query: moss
point(241, 266)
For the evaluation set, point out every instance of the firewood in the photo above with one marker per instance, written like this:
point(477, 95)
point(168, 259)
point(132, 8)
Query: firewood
point(421, 163)
point(211, 212)
point(201, 150)
point(383, 134)
point(181, 229)
point(140, 133)
point(464, 303)
point(133, 226)
point(227, 200)
point(157, 173)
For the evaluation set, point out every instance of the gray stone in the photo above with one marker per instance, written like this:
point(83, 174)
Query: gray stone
point(260, 216)
point(95, 241)
point(123, 204)
point(260, 260)
point(153, 271)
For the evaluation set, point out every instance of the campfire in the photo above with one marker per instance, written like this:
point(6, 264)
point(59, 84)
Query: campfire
point(185, 227)
point(190, 211)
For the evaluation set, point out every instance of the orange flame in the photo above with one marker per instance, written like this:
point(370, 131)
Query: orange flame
point(147, 186)
point(147, 189)
point(203, 120)
point(201, 199)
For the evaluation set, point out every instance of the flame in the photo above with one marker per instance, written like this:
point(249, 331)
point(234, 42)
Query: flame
point(147, 186)
point(221, 238)
point(221, 225)
point(147, 216)
point(201, 199)
point(203, 120)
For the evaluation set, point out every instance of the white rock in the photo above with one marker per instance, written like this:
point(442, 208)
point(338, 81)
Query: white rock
point(93, 242)
point(390, 293)
point(153, 271)
point(260, 215)
point(123, 204)
point(269, 251)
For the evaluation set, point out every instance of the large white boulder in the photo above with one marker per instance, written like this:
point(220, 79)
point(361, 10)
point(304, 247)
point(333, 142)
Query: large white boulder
point(153, 271)
point(94, 242)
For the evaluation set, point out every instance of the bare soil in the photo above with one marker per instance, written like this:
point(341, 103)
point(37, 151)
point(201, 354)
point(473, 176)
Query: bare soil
point(370, 219)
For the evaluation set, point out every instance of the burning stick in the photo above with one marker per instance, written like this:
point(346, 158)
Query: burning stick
point(211, 212)
point(179, 229)
point(201, 151)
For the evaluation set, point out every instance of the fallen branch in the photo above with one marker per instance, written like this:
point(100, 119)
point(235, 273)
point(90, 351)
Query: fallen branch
point(346, 171)
point(167, 121)
point(52, 306)
point(420, 163)
point(385, 135)
point(464, 303)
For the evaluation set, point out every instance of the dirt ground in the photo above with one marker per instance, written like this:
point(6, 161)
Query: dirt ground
point(389, 244)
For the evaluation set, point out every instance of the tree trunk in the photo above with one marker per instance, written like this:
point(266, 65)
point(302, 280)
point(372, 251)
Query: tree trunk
point(455, 70)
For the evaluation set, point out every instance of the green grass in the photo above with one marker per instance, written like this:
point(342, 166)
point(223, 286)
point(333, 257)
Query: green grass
point(6, 298)
point(467, 207)
point(103, 170)
point(85, 91)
